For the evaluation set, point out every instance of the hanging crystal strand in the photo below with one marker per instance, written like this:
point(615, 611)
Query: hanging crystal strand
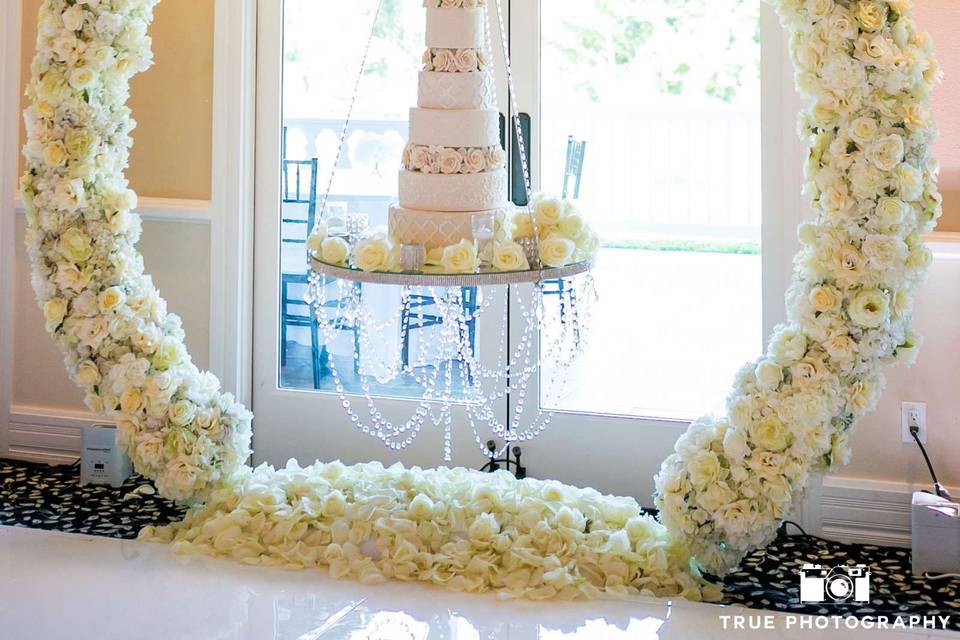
point(346, 122)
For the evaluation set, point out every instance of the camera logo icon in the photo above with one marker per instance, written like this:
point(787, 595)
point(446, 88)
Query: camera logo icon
point(838, 585)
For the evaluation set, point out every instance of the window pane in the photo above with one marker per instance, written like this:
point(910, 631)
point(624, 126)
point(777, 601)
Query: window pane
point(665, 93)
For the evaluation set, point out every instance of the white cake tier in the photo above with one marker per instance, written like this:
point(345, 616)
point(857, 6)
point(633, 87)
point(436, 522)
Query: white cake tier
point(454, 192)
point(434, 229)
point(459, 128)
point(441, 90)
point(455, 29)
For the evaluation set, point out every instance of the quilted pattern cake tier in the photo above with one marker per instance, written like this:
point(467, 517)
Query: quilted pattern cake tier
point(457, 128)
point(434, 229)
point(456, 192)
point(455, 28)
point(441, 90)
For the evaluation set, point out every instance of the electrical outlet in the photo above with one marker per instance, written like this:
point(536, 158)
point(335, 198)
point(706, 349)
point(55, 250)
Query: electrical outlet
point(913, 414)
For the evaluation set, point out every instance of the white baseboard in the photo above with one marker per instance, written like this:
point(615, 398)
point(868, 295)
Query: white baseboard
point(858, 510)
point(51, 436)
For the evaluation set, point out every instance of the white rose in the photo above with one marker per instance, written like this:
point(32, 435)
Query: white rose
point(547, 211)
point(890, 211)
point(509, 256)
point(871, 15)
point(840, 347)
point(179, 478)
point(869, 308)
point(182, 413)
point(149, 449)
point(787, 346)
point(373, 254)
point(864, 130)
point(75, 245)
point(819, 8)
point(82, 77)
point(734, 517)
point(704, 468)
point(769, 375)
point(824, 298)
point(460, 257)
point(714, 497)
point(886, 152)
point(556, 250)
point(522, 226)
point(88, 374)
point(334, 251)
point(735, 445)
point(572, 226)
point(55, 154)
point(54, 310)
point(910, 182)
point(110, 299)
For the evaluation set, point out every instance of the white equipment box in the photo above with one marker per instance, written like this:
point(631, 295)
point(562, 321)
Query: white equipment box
point(936, 534)
point(101, 460)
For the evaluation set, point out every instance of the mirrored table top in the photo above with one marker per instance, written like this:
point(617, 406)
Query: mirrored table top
point(55, 585)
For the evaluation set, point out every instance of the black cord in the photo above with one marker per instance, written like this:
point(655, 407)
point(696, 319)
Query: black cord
point(939, 488)
point(799, 528)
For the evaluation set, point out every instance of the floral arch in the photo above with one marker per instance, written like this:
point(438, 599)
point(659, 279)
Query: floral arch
point(868, 73)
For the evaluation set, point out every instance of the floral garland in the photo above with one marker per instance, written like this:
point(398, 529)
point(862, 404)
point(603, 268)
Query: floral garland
point(452, 160)
point(872, 182)
point(121, 345)
point(555, 234)
point(455, 60)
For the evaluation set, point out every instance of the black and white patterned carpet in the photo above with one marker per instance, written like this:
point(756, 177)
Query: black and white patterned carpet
point(44, 497)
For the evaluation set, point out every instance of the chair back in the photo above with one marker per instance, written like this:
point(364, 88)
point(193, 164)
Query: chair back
point(299, 186)
point(573, 171)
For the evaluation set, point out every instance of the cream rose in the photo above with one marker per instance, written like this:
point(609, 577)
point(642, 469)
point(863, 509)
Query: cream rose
point(54, 310)
point(522, 226)
point(79, 143)
point(110, 299)
point(82, 77)
point(572, 226)
point(373, 254)
point(770, 434)
point(459, 258)
point(475, 161)
point(864, 130)
point(443, 60)
point(556, 250)
point(74, 245)
point(466, 60)
point(182, 413)
point(869, 308)
point(890, 211)
point(88, 374)
point(824, 298)
point(547, 211)
point(55, 154)
point(769, 375)
point(886, 152)
point(451, 161)
point(871, 15)
point(704, 468)
point(334, 251)
point(509, 256)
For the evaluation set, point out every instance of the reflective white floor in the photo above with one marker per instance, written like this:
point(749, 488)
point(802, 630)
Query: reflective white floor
point(55, 586)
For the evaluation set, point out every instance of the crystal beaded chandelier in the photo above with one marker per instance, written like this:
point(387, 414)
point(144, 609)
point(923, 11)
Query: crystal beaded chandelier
point(544, 317)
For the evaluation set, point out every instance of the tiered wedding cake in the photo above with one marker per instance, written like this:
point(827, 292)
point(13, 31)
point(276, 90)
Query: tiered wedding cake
point(453, 165)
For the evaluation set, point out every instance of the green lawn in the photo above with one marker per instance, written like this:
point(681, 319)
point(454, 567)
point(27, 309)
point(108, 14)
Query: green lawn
point(687, 246)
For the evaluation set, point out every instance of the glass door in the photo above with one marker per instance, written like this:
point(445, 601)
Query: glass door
point(666, 96)
point(313, 163)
